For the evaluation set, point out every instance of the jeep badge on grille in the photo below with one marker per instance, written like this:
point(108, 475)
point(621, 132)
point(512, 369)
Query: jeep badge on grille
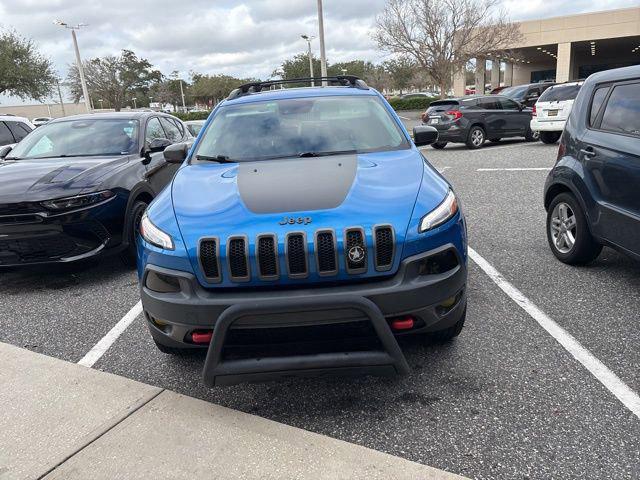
point(295, 221)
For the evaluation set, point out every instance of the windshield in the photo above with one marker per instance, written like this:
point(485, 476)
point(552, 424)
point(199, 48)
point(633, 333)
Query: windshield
point(91, 137)
point(515, 93)
point(560, 93)
point(300, 127)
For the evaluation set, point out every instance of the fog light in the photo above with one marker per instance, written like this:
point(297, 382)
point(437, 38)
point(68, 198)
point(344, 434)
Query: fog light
point(449, 302)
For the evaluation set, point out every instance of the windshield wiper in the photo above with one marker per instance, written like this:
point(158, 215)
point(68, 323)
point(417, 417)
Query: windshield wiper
point(216, 158)
point(326, 154)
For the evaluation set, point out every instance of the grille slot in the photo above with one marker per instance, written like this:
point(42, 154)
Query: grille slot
point(296, 252)
point(326, 253)
point(355, 250)
point(267, 252)
point(238, 258)
point(210, 259)
point(384, 246)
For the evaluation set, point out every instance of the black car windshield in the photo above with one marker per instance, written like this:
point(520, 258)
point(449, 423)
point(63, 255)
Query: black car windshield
point(78, 138)
point(515, 93)
point(315, 126)
point(560, 93)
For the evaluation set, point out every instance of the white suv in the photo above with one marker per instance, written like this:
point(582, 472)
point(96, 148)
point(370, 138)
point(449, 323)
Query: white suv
point(551, 111)
point(13, 129)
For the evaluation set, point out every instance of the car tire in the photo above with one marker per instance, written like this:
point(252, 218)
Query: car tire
point(494, 140)
point(531, 136)
point(568, 232)
point(130, 254)
point(175, 351)
point(476, 137)
point(448, 334)
point(439, 145)
point(550, 137)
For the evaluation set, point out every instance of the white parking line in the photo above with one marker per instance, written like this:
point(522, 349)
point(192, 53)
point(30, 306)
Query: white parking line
point(610, 380)
point(105, 342)
point(403, 118)
point(515, 169)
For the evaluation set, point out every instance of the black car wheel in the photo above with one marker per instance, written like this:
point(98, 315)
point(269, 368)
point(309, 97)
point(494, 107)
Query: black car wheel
point(550, 137)
point(494, 140)
point(129, 256)
point(439, 145)
point(531, 136)
point(476, 137)
point(568, 233)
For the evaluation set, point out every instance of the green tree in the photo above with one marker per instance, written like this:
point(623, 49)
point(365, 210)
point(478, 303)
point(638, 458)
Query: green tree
point(114, 79)
point(402, 71)
point(168, 90)
point(210, 89)
point(298, 67)
point(24, 72)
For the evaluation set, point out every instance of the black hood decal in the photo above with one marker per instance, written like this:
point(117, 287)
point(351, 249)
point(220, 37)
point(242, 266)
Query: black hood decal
point(294, 185)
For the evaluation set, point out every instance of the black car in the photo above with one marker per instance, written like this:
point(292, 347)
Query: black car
point(592, 195)
point(473, 120)
point(527, 94)
point(78, 186)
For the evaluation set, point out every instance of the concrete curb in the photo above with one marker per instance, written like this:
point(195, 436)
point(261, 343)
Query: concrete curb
point(64, 421)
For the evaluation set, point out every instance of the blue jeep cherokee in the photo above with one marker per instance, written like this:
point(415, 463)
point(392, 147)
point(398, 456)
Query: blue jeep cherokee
point(302, 234)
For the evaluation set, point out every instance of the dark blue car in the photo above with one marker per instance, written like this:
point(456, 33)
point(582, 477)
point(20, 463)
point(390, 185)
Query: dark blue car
point(303, 232)
point(592, 195)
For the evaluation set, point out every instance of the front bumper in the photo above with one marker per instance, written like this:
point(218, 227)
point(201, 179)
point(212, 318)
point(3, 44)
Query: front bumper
point(172, 317)
point(547, 125)
point(45, 237)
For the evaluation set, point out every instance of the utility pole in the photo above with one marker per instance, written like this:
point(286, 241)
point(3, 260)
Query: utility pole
point(85, 90)
point(308, 40)
point(184, 107)
point(64, 114)
point(135, 106)
point(323, 56)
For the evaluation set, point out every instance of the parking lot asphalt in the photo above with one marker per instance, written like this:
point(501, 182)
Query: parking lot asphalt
point(505, 400)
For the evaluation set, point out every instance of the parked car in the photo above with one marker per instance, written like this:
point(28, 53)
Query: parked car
point(592, 195)
point(499, 89)
point(13, 129)
point(552, 109)
point(473, 120)
point(291, 229)
point(526, 94)
point(39, 121)
point(78, 186)
point(420, 95)
point(194, 126)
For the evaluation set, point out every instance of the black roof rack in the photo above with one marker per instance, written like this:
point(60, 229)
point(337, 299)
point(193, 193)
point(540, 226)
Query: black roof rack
point(257, 87)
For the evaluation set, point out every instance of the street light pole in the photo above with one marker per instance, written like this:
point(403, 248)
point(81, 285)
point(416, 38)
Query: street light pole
point(184, 107)
point(308, 40)
point(323, 56)
point(85, 90)
point(135, 106)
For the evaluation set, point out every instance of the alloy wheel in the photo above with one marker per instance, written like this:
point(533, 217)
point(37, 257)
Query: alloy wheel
point(477, 137)
point(563, 227)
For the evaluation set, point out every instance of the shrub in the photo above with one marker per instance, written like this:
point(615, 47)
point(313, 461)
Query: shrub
point(192, 116)
point(415, 103)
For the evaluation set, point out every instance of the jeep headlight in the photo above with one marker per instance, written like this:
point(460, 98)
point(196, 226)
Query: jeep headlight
point(440, 214)
point(154, 235)
point(78, 201)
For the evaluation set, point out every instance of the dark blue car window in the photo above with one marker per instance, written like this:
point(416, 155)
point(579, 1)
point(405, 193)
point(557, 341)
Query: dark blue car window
point(622, 112)
point(598, 98)
point(297, 126)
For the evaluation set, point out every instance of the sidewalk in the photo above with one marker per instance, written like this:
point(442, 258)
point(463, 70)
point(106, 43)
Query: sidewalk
point(63, 421)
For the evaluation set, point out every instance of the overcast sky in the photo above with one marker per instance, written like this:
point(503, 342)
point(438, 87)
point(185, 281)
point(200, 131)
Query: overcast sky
point(247, 38)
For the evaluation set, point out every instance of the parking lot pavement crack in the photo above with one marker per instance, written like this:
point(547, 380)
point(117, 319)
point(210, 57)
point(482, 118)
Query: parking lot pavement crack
point(106, 428)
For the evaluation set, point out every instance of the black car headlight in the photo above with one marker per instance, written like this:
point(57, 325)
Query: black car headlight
point(77, 201)
point(440, 214)
point(153, 235)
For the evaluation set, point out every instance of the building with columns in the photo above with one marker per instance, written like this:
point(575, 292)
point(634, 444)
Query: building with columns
point(564, 48)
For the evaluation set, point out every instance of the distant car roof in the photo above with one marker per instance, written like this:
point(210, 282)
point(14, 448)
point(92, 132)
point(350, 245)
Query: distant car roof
point(195, 122)
point(14, 118)
point(133, 115)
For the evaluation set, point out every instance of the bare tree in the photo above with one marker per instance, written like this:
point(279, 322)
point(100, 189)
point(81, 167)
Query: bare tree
point(443, 35)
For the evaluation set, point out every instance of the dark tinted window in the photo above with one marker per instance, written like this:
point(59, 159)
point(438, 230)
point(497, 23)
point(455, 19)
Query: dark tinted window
point(171, 129)
point(19, 130)
point(154, 130)
point(443, 105)
point(622, 112)
point(598, 97)
point(508, 104)
point(560, 93)
point(488, 104)
point(516, 93)
point(5, 135)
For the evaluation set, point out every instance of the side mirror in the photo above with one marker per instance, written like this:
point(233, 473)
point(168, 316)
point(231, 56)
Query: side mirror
point(158, 144)
point(4, 151)
point(424, 135)
point(176, 153)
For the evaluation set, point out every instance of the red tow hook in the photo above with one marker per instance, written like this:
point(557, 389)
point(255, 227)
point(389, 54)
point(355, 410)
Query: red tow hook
point(404, 323)
point(202, 336)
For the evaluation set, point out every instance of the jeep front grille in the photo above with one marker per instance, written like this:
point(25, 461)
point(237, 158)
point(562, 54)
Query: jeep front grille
point(322, 250)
